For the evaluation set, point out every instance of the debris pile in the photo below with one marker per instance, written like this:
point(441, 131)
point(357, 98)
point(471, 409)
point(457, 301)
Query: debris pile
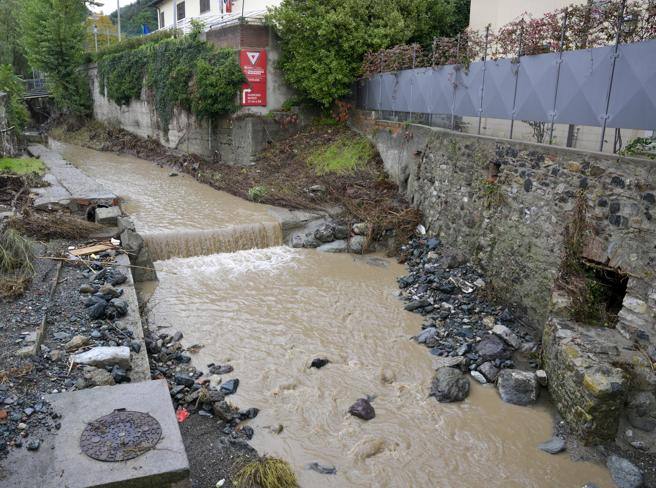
point(192, 391)
point(462, 327)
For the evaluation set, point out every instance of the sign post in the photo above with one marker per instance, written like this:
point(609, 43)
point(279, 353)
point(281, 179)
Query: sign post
point(253, 64)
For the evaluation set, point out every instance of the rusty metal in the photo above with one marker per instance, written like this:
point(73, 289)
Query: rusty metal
point(120, 436)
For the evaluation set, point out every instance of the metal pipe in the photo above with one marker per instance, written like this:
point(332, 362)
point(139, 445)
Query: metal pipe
point(559, 62)
point(380, 81)
point(612, 74)
point(519, 55)
point(480, 108)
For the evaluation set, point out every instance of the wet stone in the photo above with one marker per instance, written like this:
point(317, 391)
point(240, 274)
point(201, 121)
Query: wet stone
point(230, 387)
point(321, 469)
point(449, 385)
point(518, 387)
point(319, 363)
point(553, 446)
point(625, 474)
point(362, 409)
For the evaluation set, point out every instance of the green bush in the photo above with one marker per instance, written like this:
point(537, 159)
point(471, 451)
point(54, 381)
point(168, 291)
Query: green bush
point(185, 72)
point(17, 114)
point(257, 193)
point(324, 41)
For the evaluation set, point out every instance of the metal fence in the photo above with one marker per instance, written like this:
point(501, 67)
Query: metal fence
point(611, 86)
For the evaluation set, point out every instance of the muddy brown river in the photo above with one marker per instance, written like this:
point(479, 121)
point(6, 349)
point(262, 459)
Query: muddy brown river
point(228, 284)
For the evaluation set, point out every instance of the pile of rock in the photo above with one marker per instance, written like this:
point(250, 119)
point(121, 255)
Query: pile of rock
point(334, 238)
point(463, 328)
point(193, 390)
point(19, 417)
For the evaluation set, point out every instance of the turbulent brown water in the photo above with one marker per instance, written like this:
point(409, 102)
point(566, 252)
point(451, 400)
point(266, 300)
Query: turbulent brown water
point(269, 311)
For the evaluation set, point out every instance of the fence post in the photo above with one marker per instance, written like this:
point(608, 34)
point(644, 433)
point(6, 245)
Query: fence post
point(380, 84)
point(519, 55)
point(455, 86)
point(615, 55)
point(480, 108)
point(412, 80)
point(558, 62)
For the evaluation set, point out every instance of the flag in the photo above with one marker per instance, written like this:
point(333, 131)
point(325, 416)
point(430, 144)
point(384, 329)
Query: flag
point(145, 29)
point(228, 6)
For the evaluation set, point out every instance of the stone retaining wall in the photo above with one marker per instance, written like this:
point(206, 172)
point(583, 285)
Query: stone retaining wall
point(7, 142)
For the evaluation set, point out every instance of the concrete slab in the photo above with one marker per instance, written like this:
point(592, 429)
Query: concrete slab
point(107, 215)
point(60, 463)
point(69, 185)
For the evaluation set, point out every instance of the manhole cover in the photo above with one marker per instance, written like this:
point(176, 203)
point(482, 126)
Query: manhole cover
point(120, 436)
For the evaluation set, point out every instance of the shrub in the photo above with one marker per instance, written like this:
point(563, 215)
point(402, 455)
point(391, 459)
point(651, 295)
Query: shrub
point(257, 193)
point(16, 268)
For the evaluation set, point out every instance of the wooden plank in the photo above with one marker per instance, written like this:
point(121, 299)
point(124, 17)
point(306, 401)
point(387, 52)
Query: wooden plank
point(85, 251)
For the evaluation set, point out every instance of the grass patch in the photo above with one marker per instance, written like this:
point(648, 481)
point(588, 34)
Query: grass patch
point(266, 472)
point(343, 156)
point(257, 193)
point(21, 166)
point(16, 268)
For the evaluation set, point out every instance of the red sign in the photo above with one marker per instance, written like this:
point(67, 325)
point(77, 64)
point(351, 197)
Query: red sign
point(254, 66)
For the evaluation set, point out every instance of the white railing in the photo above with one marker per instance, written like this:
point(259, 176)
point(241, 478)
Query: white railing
point(217, 21)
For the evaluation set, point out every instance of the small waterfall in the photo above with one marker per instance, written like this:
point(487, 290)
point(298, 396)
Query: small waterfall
point(195, 242)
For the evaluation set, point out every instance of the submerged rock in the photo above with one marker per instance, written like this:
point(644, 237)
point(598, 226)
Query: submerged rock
point(334, 247)
point(450, 385)
point(518, 387)
point(362, 409)
point(625, 474)
point(321, 469)
point(553, 446)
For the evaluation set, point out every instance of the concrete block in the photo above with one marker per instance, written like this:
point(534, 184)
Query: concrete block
point(107, 215)
point(59, 461)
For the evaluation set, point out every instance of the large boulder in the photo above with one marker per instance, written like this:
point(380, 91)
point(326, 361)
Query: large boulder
point(518, 387)
point(492, 347)
point(625, 474)
point(450, 385)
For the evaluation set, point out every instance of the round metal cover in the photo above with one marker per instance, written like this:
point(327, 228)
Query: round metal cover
point(120, 436)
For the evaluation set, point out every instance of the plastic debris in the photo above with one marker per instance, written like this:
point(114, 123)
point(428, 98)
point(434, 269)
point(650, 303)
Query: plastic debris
point(182, 414)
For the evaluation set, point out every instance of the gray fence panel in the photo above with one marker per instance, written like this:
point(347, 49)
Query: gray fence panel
point(535, 88)
point(584, 78)
point(633, 100)
point(468, 91)
point(582, 89)
point(499, 89)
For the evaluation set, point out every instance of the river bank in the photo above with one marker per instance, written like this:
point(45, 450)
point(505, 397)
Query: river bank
point(268, 313)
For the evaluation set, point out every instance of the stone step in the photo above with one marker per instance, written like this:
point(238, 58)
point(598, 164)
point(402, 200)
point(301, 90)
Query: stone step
point(59, 461)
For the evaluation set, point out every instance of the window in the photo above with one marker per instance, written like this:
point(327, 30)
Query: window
point(204, 6)
point(181, 10)
point(161, 20)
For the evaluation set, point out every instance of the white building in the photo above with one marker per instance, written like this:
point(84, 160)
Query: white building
point(497, 13)
point(211, 12)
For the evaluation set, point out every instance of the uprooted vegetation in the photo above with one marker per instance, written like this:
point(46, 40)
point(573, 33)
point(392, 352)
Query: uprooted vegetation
point(56, 225)
point(16, 263)
point(322, 167)
point(266, 472)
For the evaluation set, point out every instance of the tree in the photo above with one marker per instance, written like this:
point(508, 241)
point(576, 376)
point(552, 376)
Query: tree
point(134, 15)
point(11, 52)
point(17, 114)
point(53, 36)
point(107, 32)
point(324, 41)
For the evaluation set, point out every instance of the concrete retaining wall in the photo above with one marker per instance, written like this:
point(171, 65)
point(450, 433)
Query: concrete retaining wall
point(231, 140)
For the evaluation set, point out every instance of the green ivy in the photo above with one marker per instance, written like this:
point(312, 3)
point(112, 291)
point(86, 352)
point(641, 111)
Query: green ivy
point(184, 72)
